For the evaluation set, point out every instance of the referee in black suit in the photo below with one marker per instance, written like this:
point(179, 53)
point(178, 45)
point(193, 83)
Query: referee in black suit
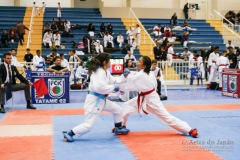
point(8, 75)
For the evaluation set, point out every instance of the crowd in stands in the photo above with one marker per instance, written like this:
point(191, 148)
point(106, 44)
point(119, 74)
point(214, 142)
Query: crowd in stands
point(11, 35)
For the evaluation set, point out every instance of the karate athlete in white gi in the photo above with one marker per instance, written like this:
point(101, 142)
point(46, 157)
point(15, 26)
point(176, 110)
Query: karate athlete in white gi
point(222, 62)
point(130, 33)
point(138, 34)
point(212, 66)
point(148, 99)
point(101, 84)
point(59, 8)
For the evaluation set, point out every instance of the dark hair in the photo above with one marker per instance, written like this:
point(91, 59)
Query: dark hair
point(98, 61)
point(216, 47)
point(61, 54)
point(55, 59)
point(6, 54)
point(73, 51)
point(13, 49)
point(37, 51)
point(28, 49)
point(154, 61)
point(147, 63)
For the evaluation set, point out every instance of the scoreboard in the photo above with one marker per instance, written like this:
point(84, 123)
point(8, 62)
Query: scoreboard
point(117, 66)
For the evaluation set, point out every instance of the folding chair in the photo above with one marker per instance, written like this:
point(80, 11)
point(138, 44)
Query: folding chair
point(41, 66)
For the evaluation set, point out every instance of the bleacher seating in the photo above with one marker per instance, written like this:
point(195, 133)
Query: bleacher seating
point(9, 17)
point(204, 33)
point(83, 17)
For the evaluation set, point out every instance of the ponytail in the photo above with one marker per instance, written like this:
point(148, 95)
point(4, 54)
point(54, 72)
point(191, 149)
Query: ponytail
point(147, 63)
point(94, 65)
point(98, 61)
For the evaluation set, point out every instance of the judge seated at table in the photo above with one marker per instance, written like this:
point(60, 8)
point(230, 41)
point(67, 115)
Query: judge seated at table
point(57, 68)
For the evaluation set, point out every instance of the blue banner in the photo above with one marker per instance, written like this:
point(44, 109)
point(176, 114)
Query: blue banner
point(57, 84)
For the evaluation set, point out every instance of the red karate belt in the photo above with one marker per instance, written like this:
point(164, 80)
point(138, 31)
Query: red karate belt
point(143, 94)
point(222, 65)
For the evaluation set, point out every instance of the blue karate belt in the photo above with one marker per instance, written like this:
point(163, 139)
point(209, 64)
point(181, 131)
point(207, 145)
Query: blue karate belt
point(100, 96)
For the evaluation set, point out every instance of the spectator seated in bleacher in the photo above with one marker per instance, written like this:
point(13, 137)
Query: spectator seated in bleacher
point(157, 31)
point(185, 54)
point(167, 31)
point(120, 40)
point(165, 42)
point(110, 28)
point(67, 26)
point(54, 27)
point(12, 34)
point(57, 39)
point(238, 17)
point(230, 16)
point(91, 30)
point(47, 39)
point(102, 30)
point(98, 47)
point(185, 24)
point(46, 28)
point(174, 20)
point(60, 25)
point(108, 41)
point(54, 20)
point(4, 39)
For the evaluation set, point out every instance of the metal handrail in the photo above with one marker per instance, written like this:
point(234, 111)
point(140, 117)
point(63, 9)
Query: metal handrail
point(223, 18)
point(226, 26)
point(145, 32)
point(30, 29)
point(231, 30)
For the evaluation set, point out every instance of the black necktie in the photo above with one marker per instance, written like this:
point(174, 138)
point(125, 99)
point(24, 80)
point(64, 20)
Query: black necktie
point(9, 74)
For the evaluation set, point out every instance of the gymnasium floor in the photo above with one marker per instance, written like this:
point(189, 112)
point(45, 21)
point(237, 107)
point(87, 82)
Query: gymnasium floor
point(37, 134)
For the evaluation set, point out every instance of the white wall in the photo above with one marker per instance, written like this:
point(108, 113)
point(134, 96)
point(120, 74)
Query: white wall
point(49, 3)
point(224, 6)
point(114, 3)
point(86, 4)
point(152, 3)
point(6, 2)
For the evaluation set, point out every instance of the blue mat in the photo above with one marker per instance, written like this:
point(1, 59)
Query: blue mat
point(100, 143)
point(215, 128)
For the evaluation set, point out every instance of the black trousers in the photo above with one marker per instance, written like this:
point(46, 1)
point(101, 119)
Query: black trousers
point(159, 87)
point(186, 15)
point(16, 87)
point(21, 38)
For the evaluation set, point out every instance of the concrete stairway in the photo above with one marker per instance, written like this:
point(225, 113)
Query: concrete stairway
point(145, 47)
point(36, 35)
point(227, 35)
